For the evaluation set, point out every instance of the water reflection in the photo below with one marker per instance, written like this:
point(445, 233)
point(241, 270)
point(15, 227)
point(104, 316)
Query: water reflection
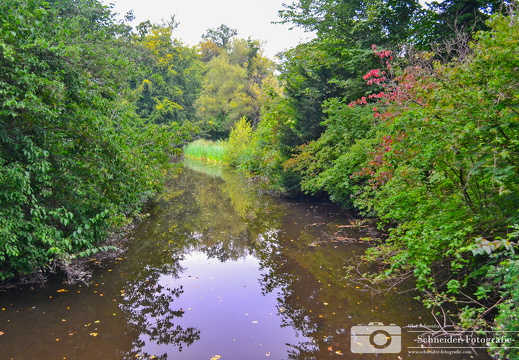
point(215, 269)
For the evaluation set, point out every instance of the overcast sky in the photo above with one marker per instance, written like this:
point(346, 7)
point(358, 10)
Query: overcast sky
point(252, 18)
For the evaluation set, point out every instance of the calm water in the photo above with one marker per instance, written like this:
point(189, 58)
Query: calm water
point(216, 271)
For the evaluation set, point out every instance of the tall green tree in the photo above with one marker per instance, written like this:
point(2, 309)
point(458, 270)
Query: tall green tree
point(172, 75)
point(235, 86)
point(332, 65)
point(354, 23)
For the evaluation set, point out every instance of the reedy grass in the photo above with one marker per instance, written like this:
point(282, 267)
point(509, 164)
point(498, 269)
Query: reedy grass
point(206, 150)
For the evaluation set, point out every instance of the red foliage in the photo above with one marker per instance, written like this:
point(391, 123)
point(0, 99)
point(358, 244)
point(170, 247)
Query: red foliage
point(400, 91)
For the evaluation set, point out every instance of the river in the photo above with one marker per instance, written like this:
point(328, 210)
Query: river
point(218, 270)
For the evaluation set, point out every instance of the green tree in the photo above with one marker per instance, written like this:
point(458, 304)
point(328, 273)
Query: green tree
point(75, 160)
point(220, 36)
point(355, 23)
point(234, 87)
point(172, 76)
point(442, 21)
point(445, 175)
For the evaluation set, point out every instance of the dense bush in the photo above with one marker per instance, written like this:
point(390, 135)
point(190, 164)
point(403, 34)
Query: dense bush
point(75, 160)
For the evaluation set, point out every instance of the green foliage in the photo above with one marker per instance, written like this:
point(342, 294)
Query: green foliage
point(172, 76)
point(442, 20)
point(354, 22)
point(239, 150)
point(446, 172)
point(507, 320)
point(221, 36)
point(327, 164)
point(432, 151)
point(75, 160)
point(268, 149)
point(235, 86)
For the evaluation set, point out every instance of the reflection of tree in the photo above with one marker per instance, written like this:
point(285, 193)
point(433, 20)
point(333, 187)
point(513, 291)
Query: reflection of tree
point(147, 304)
point(196, 213)
point(229, 213)
point(312, 295)
point(217, 214)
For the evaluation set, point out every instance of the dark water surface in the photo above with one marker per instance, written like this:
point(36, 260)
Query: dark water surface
point(217, 271)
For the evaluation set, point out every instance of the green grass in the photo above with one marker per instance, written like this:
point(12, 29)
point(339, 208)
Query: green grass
point(206, 150)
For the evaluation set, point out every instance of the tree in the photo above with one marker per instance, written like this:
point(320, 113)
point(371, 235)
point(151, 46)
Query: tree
point(442, 21)
point(234, 87)
point(209, 50)
point(172, 76)
point(355, 23)
point(445, 175)
point(221, 36)
point(75, 160)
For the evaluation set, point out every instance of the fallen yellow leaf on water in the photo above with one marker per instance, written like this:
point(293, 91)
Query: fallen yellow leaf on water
point(93, 334)
point(339, 352)
point(62, 290)
point(216, 357)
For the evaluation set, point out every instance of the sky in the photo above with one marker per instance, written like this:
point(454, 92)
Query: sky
point(252, 18)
